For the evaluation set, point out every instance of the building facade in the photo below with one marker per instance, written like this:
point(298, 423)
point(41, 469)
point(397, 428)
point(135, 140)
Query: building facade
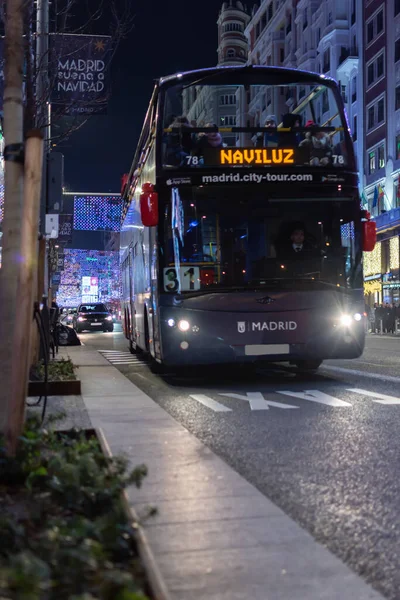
point(357, 42)
point(381, 56)
point(91, 270)
point(312, 35)
point(211, 105)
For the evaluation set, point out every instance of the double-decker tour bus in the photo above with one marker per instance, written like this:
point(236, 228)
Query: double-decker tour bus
point(242, 236)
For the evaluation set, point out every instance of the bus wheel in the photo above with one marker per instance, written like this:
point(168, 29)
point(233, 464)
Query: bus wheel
point(308, 365)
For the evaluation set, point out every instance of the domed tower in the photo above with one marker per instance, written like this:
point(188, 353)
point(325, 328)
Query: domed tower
point(232, 42)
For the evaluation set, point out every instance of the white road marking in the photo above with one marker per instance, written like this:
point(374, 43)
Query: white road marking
point(360, 373)
point(378, 398)
point(116, 357)
point(317, 396)
point(210, 403)
point(257, 401)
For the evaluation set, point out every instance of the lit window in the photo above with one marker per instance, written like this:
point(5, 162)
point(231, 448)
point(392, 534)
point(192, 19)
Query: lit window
point(381, 156)
point(371, 162)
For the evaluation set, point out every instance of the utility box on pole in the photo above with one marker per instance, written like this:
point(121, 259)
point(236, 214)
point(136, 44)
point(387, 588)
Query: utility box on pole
point(55, 182)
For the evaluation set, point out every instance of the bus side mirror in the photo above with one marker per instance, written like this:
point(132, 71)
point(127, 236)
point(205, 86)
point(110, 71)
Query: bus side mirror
point(124, 181)
point(149, 205)
point(368, 235)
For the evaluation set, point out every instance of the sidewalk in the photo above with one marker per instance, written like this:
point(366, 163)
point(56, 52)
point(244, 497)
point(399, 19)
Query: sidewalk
point(215, 536)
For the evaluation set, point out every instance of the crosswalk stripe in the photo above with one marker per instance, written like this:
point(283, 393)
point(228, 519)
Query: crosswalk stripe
point(376, 397)
point(210, 403)
point(116, 357)
point(316, 396)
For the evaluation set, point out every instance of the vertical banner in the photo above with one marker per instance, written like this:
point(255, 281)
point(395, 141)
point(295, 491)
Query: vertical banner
point(65, 228)
point(1, 75)
point(81, 73)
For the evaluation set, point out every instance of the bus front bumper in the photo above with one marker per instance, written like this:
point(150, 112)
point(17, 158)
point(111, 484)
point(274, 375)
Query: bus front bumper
point(206, 338)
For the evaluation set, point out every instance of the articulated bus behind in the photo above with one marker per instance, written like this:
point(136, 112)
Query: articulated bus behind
point(243, 236)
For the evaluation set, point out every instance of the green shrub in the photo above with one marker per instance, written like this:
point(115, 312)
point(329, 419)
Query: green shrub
point(63, 529)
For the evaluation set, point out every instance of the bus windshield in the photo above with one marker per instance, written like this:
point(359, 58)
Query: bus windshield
point(214, 125)
point(228, 238)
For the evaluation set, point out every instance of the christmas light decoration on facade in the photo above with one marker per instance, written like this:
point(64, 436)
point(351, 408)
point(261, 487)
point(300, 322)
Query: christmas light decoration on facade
point(373, 261)
point(394, 253)
point(89, 263)
point(97, 213)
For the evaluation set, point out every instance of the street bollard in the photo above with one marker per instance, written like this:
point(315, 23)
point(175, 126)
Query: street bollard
point(381, 327)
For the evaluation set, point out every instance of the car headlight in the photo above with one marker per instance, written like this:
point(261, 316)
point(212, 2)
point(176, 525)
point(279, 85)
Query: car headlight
point(183, 325)
point(109, 318)
point(81, 318)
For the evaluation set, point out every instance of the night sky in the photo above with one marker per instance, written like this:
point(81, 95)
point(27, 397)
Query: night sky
point(167, 36)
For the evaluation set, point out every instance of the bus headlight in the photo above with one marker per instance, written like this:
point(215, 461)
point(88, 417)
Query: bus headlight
point(171, 323)
point(345, 320)
point(183, 325)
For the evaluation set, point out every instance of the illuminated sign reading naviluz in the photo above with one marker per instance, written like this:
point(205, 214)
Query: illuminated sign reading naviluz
point(256, 156)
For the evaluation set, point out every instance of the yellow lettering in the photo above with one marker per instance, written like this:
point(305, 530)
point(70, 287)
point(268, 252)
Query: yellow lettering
point(288, 159)
point(258, 156)
point(277, 156)
point(249, 156)
point(266, 160)
point(237, 158)
point(226, 157)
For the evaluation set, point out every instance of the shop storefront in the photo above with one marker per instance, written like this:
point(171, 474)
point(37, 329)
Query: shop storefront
point(373, 276)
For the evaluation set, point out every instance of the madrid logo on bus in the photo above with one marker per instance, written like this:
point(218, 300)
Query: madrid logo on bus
point(241, 326)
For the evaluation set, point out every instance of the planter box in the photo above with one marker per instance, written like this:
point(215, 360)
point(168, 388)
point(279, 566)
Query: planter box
point(54, 388)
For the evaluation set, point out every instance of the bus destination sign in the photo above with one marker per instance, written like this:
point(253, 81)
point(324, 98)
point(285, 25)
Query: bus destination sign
point(250, 157)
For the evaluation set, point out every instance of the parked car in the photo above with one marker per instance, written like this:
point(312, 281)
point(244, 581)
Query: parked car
point(93, 316)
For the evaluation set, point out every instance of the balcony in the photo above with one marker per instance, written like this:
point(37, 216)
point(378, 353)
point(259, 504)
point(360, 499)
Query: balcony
point(348, 53)
point(387, 220)
point(348, 61)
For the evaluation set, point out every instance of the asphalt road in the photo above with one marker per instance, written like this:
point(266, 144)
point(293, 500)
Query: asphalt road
point(324, 447)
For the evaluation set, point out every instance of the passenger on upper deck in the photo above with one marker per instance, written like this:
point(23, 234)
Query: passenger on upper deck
point(290, 139)
point(211, 139)
point(316, 147)
point(268, 140)
point(180, 142)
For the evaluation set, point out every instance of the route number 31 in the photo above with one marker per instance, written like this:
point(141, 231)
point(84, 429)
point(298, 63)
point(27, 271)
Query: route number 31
point(189, 276)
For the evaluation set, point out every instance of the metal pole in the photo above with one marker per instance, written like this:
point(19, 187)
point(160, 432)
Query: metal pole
point(43, 106)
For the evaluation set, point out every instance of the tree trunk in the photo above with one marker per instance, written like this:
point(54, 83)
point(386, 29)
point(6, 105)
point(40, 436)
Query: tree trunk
point(11, 408)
